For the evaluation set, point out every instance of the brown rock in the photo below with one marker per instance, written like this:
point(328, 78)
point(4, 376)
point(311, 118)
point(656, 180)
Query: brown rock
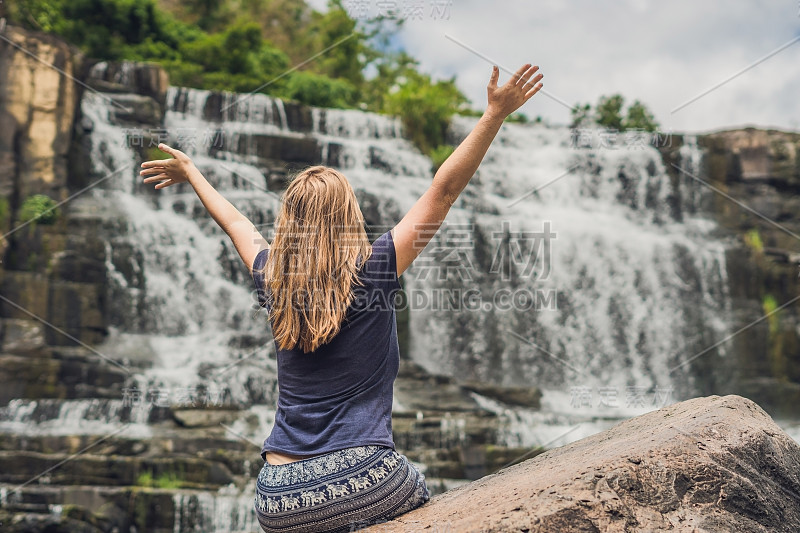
point(706, 464)
point(39, 96)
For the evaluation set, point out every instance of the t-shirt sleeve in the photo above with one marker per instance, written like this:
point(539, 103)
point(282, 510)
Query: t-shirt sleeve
point(258, 276)
point(381, 267)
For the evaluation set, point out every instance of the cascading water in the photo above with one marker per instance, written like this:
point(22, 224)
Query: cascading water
point(627, 287)
point(616, 276)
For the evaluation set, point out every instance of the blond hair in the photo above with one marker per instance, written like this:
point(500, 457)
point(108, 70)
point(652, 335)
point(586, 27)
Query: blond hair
point(320, 244)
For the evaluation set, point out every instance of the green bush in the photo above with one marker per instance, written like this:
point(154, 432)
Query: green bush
point(316, 90)
point(145, 479)
point(518, 118)
point(164, 481)
point(425, 108)
point(225, 81)
point(184, 74)
point(609, 111)
point(40, 209)
point(753, 240)
point(639, 118)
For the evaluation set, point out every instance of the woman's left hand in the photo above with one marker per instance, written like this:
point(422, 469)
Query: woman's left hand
point(167, 171)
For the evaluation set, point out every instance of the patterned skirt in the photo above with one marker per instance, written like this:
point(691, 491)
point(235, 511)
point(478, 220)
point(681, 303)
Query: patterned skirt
point(339, 491)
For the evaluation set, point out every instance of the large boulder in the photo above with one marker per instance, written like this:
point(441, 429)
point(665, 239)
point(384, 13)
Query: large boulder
point(706, 464)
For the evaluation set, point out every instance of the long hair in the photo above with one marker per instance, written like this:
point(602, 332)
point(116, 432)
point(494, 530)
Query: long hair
point(319, 246)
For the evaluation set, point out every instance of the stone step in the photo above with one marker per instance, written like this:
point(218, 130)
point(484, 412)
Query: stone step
point(82, 509)
point(169, 472)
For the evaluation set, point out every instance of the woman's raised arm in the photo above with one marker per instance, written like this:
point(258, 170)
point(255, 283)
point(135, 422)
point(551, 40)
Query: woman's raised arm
point(418, 227)
point(165, 172)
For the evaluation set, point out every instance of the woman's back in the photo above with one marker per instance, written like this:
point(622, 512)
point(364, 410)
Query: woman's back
point(340, 395)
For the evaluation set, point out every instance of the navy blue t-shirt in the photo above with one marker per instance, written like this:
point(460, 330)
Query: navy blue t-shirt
point(340, 395)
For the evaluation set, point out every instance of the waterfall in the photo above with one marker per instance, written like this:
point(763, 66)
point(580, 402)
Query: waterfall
point(228, 510)
point(629, 284)
point(627, 258)
point(586, 270)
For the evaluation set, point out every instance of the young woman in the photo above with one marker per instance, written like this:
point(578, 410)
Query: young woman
point(330, 462)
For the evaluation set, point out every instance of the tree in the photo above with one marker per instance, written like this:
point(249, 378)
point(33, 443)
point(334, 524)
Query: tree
point(424, 106)
point(609, 111)
point(640, 118)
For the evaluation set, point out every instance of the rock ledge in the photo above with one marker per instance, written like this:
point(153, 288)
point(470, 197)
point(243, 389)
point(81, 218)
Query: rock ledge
point(706, 464)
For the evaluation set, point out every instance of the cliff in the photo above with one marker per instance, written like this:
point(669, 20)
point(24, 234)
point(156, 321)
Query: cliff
point(706, 464)
point(755, 176)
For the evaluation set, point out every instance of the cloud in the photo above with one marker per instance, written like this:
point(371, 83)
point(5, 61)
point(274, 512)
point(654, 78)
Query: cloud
point(663, 53)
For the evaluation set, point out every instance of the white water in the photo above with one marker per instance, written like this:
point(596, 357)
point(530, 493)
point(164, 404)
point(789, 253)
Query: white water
point(230, 510)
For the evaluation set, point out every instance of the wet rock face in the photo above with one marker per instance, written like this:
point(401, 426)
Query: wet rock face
point(139, 83)
point(706, 464)
point(759, 170)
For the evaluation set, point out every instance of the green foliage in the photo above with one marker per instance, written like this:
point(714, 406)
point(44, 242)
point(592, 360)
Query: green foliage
point(4, 210)
point(154, 153)
point(470, 112)
point(609, 111)
point(107, 29)
point(440, 154)
point(313, 89)
point(581, 115)
point(168, 481)
point(230, 51)
point(40, 209)
point(36, 14)
point(639, 118)
point(753, 240)
point(519, 118)
point(424, 106)
point(145, 479)
point(770, 306)
point(182, 74)
point(348, 51)
point(211, 13)
point(164, 481)
point(269, 62)
point(220, 45)
point(776, 355)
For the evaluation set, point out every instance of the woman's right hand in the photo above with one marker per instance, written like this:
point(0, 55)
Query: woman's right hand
point(519, 89)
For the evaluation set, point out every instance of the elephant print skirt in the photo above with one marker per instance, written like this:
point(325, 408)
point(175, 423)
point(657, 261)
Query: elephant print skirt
point(340, 491)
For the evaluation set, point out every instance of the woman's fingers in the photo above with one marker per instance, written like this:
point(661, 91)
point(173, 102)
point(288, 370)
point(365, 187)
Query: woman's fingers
point(174, 152)
point(152, 170)
point(165, 184)
point(495, 77)
point(151, 179)
point(523, 79)
point(518, 74)
point(533, 91)
point(168, 149)
point(157, 163)
point(533, 82)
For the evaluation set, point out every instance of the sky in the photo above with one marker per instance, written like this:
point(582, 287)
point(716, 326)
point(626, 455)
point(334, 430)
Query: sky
point(663, 53)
